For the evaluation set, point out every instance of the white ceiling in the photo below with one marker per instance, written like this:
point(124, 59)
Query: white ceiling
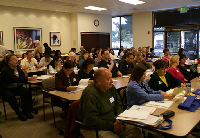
point(114, 7)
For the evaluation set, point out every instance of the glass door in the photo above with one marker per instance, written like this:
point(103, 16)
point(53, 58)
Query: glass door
point(173, 42)
point(189, 43)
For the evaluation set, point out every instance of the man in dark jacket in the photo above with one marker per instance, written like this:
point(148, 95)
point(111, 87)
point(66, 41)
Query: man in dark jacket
point(126, 65)
point(12, 79)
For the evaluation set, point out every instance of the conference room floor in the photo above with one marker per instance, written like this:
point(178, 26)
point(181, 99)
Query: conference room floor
point(32, 128)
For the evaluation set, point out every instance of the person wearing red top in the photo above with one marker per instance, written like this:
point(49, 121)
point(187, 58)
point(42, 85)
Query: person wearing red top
point(166, 56)
point(174, 70)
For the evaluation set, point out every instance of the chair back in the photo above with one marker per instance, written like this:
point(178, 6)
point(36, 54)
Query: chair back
point(122, 95)
point(48, 84)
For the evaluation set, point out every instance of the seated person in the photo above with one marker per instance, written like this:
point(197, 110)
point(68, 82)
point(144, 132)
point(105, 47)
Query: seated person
point(98, 59)
point(162, 80)
point(166, 56)
point(181, 51)
point(185, 70)
point(112, 54)
point(54, 66)
point(3, 62)
point(152, 54)
point(84, 56)
point(12, 79)
point(126, 65)
point(86, 71)
point(72, 57)
point(45, 60)
point(29, 61)
point(138, 92)
point(138, 59)
point(174, 70)
point(106, 62)
point(38, 57)
point(98, 107)
point(65, 79)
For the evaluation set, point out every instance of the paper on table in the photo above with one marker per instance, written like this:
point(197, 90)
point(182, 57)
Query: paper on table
point(134, 114)
point(44, 77)
point(82, 84)
point(177, 91)
point(160, 104)
point(125, 76)
point(42, 68)
point(150, 110)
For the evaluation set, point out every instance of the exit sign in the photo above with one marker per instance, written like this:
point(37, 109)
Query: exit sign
point(183, 9)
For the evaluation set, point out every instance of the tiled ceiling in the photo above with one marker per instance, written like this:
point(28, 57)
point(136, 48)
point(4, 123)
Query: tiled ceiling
point(114, 7)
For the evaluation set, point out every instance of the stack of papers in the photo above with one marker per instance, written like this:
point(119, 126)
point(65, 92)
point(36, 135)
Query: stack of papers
point(141, 114)
point(160, 104)
point(82, 84)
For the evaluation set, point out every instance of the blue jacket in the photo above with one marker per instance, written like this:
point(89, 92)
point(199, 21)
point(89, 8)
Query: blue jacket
point(138, 94)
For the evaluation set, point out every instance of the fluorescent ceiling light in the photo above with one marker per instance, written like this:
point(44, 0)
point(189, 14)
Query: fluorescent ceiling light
point(134, 2)
point(95, 8)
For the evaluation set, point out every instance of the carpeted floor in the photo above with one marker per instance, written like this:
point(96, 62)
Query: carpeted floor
point(32, 128)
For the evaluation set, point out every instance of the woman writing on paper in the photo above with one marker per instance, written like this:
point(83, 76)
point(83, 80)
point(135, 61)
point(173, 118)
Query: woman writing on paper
point(86, 71)
point(162, 80)
point(138, 92)
point(54, 66)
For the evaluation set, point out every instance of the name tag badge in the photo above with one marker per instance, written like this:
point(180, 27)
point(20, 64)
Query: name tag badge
point(111, 99)
point(160, 82)
point(108, 65)
point(188, 70)
point(127, 66)
point(74, 79)
point(177, 71)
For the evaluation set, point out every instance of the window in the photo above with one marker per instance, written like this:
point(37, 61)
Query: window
point(122, 34)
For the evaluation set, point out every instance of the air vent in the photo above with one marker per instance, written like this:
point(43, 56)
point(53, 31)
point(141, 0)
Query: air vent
point(58, 3)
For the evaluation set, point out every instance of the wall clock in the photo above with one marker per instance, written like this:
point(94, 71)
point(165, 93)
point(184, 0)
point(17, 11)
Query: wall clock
point(96, 23)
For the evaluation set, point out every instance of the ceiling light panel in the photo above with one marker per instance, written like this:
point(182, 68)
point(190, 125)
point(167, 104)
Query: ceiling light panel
point(134, 2)
point(95, 8)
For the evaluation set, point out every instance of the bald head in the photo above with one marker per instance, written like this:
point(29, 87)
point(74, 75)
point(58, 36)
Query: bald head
point(103, 79)
point(100, 73)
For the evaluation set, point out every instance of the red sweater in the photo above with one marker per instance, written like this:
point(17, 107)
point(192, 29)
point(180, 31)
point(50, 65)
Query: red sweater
point(176, 73)
point(62, 81)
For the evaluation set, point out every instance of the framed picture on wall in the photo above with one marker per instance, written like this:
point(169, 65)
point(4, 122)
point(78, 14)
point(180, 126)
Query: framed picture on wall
point(55, 39)
point(25, 36)
point(1, 38)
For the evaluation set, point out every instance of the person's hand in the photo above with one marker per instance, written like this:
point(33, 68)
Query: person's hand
point(119, 73)
point(32, 78)
point(163, 92)
point(118, 127)
point(39, 66)
point(71, 88)
point(169, 96)
point(90, 81)
point(183, 85)
point(185, 80)
point(111, 61)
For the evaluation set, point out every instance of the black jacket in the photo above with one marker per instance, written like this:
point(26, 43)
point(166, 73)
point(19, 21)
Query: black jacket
point(125, 68)
point(8, 77)
point(83, 75)
point(105, 64)
point(156, 83)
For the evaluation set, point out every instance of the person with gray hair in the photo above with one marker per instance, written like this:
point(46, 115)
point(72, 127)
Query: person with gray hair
point(12, 79)
point(98, 107)
point(38, 47)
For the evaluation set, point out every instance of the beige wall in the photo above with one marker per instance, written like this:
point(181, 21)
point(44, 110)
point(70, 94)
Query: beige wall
point(47, 20)
point(86, 24)
point(74, 31)
point(142, 23)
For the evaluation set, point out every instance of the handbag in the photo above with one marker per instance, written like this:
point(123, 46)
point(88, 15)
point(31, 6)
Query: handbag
point(190, 104)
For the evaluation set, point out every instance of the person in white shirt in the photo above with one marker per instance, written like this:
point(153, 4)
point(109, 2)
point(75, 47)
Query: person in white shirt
point(29, 61)
point(54, 66)
point(3, 51)
point(45, 60)
point(112, 54)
